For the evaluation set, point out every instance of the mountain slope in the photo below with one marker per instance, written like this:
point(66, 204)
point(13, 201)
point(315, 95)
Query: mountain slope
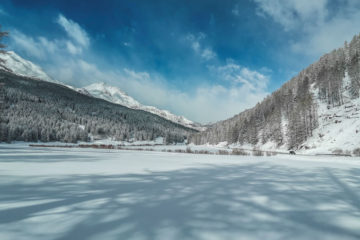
point(115, 95)
point(22, 67)
point(33, 110)
point(305, 112)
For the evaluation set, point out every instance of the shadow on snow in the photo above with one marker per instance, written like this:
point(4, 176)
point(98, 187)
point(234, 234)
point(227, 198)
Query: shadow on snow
point(232, 201)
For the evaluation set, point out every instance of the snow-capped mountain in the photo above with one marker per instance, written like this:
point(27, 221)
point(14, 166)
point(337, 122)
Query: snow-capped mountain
point(19, 66)
point(115, 95)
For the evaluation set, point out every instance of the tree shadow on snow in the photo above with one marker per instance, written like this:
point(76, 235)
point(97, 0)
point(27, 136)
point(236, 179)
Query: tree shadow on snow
point(232, 202)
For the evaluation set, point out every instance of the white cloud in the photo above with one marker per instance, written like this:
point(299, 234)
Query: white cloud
point(74, 30)
point(45, 49)
point(211, 102)
point(32, 47)
point(237, 74)
point(207, 103)
point(72, 48)
point(42, 48)
point(235, 11)
point(208, 54)
point(64, 59)
point(321, 28)
point(205, 53)
point(328, 36)
point(292, 14)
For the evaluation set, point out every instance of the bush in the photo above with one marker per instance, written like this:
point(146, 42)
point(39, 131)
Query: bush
point(356, 152)
point(188, 150)
point(337, 151)
point(179, 151)
point(241, 152)
point(223, 152)
point(202, 152)
point(258, 153)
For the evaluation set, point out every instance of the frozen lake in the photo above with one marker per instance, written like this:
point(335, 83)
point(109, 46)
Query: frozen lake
point(60, 194)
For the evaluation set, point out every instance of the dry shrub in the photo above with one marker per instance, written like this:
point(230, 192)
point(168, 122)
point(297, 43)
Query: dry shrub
point(202, 152)
point(258, 153)
point(241, 152)
point(337, 151)
point(356, 152)
point(179, 151)
point(223, 152)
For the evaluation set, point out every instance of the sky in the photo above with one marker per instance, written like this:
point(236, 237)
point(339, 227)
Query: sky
point(204, 59)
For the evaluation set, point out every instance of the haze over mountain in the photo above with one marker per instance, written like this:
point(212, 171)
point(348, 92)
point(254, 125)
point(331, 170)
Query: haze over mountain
point(115, 95)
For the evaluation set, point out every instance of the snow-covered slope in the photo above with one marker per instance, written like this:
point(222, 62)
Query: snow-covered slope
point(111, 94)
point(339, 126)
point(338, 129)
point(18, 65)
point(115, 95)
point(22, 67)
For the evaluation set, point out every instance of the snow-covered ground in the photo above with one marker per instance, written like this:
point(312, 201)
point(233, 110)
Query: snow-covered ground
point(101, 194)
point(339, 126)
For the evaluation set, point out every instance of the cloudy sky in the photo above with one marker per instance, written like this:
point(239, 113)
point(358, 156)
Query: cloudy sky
point(204, 59)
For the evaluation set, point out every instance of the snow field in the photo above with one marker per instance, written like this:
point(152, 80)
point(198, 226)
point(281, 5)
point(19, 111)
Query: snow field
point(60, 193)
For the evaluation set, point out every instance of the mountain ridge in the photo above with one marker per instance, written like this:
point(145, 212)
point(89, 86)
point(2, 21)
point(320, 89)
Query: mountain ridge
point(19, 66)
point(292, 116)
point(34, 110)
point(116, 95)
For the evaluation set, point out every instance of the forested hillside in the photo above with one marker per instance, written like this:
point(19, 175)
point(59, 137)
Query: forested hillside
point(289, 116)
point(33, 110)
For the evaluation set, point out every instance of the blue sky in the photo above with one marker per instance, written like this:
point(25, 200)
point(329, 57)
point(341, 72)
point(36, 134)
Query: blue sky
point(206, 60)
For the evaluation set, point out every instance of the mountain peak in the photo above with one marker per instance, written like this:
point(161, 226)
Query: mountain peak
point(116, 95)
point(22, 67)
point(19, 66)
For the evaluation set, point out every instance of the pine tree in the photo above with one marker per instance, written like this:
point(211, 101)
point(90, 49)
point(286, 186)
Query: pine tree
point(2, 46)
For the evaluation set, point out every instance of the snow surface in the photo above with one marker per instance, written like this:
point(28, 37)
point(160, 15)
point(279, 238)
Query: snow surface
point(116, 95)
point(339, 126)
point(22, 67)
point(101, 194)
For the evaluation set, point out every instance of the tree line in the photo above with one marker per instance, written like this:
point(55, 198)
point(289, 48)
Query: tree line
point(289, 115)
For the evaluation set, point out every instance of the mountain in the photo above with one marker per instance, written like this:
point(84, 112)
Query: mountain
point(22, 67)
point(33, 110)
point(318, 110)
point(115, 95)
